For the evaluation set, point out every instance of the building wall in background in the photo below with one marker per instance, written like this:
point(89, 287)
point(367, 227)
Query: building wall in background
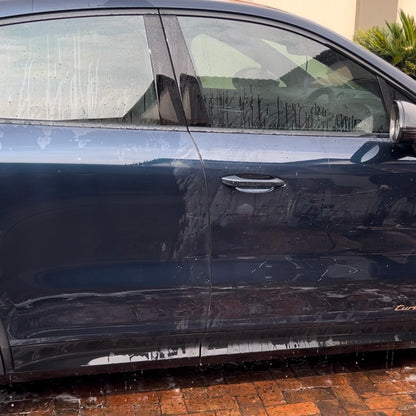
point(375, 12)
point(409, 6)
point(338, 15)
point(345, 16)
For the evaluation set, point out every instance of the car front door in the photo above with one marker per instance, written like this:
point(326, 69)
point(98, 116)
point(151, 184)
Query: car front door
point(311, 206)
point(104, 233)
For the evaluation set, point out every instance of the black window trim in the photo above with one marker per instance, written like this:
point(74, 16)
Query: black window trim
point(73, 14)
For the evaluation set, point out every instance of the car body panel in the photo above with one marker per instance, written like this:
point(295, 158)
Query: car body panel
point(105, 234)
point(332, 249)
point(121, 245)
point(324, 260)
point(82, 258)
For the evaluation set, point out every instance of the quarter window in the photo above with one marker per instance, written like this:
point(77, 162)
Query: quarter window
point(94, 69)
point(255, 76)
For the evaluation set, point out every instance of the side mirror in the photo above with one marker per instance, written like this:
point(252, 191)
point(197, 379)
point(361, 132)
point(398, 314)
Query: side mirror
point(403, 122)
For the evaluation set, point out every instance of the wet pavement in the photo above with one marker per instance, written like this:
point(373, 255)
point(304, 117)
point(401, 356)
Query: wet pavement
point(370, 384)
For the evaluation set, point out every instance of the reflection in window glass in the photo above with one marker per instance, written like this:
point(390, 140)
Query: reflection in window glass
point(95, 68)
point(259, 77)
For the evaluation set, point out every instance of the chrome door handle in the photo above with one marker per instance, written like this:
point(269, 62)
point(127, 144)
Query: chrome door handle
point(252, 184)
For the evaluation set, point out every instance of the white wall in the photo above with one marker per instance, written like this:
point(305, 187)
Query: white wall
point(372, 13)
point(345, 16)
point(409, 6)
point(338, 15)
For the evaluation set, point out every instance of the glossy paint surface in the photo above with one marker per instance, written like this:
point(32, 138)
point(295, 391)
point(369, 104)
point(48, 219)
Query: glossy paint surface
point(131, 245)
point(332, 249)
point(103, 234)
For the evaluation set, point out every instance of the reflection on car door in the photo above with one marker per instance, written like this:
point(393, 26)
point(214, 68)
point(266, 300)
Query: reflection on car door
point(103, 221)
point(311, 206)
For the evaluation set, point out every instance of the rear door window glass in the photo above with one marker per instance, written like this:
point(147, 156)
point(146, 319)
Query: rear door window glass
point(94, 69)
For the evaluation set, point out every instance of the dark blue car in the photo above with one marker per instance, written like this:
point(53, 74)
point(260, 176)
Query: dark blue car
point(187, 182)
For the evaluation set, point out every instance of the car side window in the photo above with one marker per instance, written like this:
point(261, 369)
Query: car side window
point(92, 69)
point(254, 76)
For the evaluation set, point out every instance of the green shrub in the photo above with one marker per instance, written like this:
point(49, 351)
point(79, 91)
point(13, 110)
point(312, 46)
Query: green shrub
point(396, 43)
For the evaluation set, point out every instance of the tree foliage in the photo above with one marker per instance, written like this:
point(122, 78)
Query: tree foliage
point(396, 43)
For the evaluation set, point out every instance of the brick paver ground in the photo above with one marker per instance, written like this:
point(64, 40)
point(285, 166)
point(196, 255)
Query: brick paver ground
point(371, 384)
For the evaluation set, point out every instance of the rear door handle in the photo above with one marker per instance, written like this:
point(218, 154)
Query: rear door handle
point(252, 184)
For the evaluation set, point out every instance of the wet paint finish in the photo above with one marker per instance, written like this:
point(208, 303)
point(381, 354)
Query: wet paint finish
point(110, 238)
point(117, 248)
point(331, 253)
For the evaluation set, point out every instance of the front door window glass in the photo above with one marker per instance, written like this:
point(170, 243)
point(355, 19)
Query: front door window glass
point(254, 76)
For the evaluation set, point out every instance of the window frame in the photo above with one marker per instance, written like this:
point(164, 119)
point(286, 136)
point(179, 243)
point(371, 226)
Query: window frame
point(173, 31)
point(160, 63)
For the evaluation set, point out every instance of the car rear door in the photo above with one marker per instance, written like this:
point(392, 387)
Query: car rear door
point(311, 205)
point(104, 232)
